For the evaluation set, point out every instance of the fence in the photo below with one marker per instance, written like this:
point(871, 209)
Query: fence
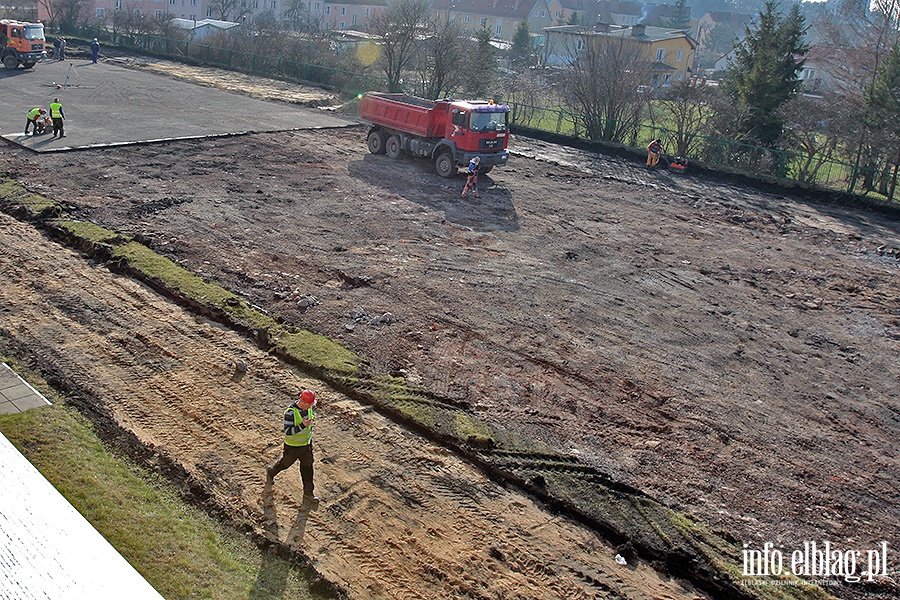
point(713, 151)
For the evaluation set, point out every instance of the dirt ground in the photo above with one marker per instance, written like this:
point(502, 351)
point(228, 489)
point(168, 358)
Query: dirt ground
point(729, 351)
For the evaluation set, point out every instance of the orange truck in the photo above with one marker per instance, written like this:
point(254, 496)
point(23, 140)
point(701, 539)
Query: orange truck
point(22, 43)
point(447, 132)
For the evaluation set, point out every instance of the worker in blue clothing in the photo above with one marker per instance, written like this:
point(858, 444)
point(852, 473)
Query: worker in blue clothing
point(298, 424)
point(95, 51)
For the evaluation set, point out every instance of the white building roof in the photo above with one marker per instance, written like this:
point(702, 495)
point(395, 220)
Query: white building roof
point(48, 550)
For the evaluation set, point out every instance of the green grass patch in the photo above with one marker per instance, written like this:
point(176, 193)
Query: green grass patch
point(182, 552)
point(317, 350)
point(89, 231)
point(12, 191)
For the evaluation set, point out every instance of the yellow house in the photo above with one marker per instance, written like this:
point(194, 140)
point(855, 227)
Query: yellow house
point(671, 52)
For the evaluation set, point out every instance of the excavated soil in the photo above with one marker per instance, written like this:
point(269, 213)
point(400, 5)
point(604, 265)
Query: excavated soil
point(731, 352)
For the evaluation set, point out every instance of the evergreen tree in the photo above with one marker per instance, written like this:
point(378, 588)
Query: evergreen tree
point(764, 73)
point(483, 65)
point(882, 101)
point(520, 53)
point(681, 17)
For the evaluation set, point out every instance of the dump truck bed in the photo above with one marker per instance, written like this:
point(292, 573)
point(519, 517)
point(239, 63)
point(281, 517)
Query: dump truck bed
point(402, 112)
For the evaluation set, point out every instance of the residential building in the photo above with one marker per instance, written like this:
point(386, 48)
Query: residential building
point(671, 52)
point(342, 15)
point(500, 17)
point(355, 15)
point(716, 33)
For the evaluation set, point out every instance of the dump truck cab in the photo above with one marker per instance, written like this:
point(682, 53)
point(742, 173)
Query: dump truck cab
point(21, 43)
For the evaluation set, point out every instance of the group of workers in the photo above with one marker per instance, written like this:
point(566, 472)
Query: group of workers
point(38, 118)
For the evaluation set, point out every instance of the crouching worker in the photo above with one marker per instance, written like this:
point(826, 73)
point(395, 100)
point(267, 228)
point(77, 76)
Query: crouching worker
point(298, 424)
point(35, 118)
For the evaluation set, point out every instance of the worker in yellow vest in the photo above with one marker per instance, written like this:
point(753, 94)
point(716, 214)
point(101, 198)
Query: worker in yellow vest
point(57, 114)
point(32, 118)
point(298, 423)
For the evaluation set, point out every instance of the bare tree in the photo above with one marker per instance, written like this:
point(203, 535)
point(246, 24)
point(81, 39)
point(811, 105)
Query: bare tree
point(685, 104)
point(440, 61)
point(68, 14)
point(399, 28)
point(230, 10)
point(606, 77)
point(300, 19)
point(810, 127)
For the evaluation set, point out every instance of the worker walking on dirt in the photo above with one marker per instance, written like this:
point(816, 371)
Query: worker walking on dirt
point(298, 424)
point(95, 51)
point(472, 177)
point(31, 119)
point(57, 114)
point(654, 150)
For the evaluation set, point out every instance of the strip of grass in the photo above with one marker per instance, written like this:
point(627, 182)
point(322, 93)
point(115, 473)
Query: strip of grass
point(182, 552)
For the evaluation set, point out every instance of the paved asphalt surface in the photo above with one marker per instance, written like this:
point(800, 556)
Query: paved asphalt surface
point(106, 104)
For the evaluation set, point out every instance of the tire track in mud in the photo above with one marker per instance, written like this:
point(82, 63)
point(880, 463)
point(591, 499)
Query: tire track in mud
point(400, 517)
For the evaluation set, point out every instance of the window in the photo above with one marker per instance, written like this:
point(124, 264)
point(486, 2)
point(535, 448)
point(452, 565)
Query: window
point(660, 54)
point(118, 4)
point(368, 10)
point(667, 78)
point(497, 30)
point(681, 76)
point(317, 7)
point(137, 13)
point(483, 21)
point(158, 13)
point(341, 25)
point(680, 56)
point(543, 13)
point(273, 5)
point(353, 20)
point(559, 14)
point(209, 12)
point(466, 20)
point(172, 2)
point(193, 3)
point(101, 13)
point(343, 10)
point(327, 10)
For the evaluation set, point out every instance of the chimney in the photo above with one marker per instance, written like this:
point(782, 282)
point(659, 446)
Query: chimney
point(638, 30)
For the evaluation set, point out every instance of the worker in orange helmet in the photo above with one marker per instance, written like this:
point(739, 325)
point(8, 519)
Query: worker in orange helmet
point(298, 424)
point(472, 177)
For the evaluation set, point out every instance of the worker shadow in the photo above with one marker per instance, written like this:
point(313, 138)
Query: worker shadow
point(275, 568)
point(415, 180)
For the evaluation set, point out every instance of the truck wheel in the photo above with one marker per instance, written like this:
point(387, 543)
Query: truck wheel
point(10, 62)
point(393, 148)
point(28, 65)
point(376, 142)
point(486, 169)
point(444, 165)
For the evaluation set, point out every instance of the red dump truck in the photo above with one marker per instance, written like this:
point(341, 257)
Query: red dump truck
point(448, 132)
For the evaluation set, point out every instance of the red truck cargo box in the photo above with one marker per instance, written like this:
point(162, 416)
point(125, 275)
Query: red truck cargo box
point(402, 112)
